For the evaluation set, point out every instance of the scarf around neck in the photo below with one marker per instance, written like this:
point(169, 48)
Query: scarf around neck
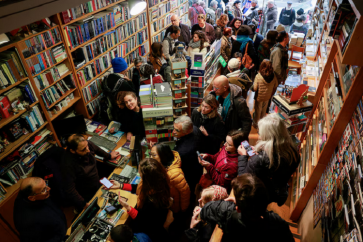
point(194, 44)
point(226, 105)
point(243, 39)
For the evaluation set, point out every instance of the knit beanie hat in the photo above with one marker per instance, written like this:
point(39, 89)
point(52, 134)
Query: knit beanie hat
point(280, 28)
point(233, 63)
point(220, 193)
point(118, 64)
point(236, 2)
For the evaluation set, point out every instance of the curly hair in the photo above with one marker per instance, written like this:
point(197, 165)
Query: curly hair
point(202, 38)
point(120, 99)
point(221, 20)
point(154, 185)
point(231, 24)
point(146, 70)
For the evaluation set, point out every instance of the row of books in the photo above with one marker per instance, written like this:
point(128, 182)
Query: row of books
point(159, 11)
point(40, 42)
point(11, 68)
point(345, 167)
point(33, 118)
point(50, 76)
point(159, 37)
point(12, 171)
point(55, 92)
point(85, 8)
point(46, 59)
point(94, 69)
point(106, 42)
point(92, 90)
point(94, 106)
point(161, 23)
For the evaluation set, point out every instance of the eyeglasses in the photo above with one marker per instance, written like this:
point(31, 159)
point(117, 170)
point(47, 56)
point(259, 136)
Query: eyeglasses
point(216, 88)
point(177, 130)
point(200, 17)
point(45, 189)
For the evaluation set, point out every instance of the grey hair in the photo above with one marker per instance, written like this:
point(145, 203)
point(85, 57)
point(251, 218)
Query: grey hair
point(276, 141)
point(196, 1)
point(212, 3)
point(138, 60)
point(254, 1)
point(187, 124)
point(270, 1)
point(201, 2)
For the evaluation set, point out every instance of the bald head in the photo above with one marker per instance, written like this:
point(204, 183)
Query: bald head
point(30, 181)
point(221, 86)
point(175, 20)
point(34, 188)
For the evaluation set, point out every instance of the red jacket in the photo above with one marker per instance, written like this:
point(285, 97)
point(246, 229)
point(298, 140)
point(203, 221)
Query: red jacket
point(156, 79)
point(223, 168)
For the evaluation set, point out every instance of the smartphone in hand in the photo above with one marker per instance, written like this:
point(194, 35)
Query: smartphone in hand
point(199, 155)
point(248, 148)
point(104, 181)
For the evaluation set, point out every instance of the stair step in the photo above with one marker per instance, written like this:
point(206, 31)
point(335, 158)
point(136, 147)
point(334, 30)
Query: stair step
point(296, 235)
point(291, 224)
point(294, 230)
point(296, 240)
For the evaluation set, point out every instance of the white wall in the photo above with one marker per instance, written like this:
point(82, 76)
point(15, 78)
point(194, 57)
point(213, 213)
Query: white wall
point(306, 225)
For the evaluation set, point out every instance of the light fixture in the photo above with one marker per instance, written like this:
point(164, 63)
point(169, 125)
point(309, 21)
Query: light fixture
point(136, 6)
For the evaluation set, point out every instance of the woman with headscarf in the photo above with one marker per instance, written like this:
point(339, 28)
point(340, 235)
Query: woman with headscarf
point(236, 9)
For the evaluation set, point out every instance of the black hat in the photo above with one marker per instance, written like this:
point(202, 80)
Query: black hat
point(244, 30)
point(235, 2)
point(300, 11)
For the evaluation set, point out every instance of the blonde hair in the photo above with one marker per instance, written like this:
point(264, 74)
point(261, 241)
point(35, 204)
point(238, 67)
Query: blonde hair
point(275, 140)
point(207, 194)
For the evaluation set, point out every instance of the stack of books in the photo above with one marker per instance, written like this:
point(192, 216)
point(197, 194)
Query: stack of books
point(163, 96)
point(146, 96)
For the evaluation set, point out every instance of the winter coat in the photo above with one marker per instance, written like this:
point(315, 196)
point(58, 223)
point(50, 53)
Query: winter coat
point(223, 168)
point(253, 15)
point(179, 188)
point(237, 12)
point(136, 80)
point(264, 88)
point(287, 17)
point(40, 220)
point(184, 33)
point(250, 51)
point(187, 147)
point(191, 51)
point(280, 62)
point(226, 48)
point(156, 63)
point(243, 81)
point(216, 132)
point(193, 13)
point(208, 30)
point(256, 43)
point(156, 79)
point(272, 178)
point(271, 17)
point(238, 115)
point(271, 228)
point(211, 14)
point(264, 50)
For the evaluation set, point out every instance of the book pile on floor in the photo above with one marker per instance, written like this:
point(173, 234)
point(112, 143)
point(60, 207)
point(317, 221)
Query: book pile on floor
point(163, 96)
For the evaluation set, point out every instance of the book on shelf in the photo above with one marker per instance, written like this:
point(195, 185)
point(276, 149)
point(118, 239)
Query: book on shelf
point(55, 92)
point(95, 105)
point(92, 90)
point(82, 9)
point(40, 42)
point(33, 119)
point(11, 68)
point(50, 76)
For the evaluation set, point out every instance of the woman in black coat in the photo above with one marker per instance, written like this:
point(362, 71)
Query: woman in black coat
point(241, 42)
point(136, 74)
point(211, 127)
point(133, 122)
point(276, 158)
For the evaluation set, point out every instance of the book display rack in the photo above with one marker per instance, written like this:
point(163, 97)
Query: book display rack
point(337, 97)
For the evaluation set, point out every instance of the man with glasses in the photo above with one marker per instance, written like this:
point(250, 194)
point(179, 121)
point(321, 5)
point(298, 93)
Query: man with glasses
point(233, 107)
point(187, 146)
point(184, 29)
point(205, 27)
point(169, 42)
point(79, 167)
point(36, 216)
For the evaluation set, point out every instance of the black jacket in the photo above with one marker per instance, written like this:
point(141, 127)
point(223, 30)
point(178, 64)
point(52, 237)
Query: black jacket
point(287, 17)
point(184, 33)
point(136, 80)
point(133, 123)
point(216, 132)
point(250, 51)
point(187, 147)
point(39, 221)
point(272, 178)
point(80, 175)
point(238, 115)
point(271, 228)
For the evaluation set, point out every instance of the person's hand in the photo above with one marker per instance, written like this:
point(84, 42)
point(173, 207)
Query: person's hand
point(230, 199)
point(114, 154)
point(129, 135)
point(123, 203)
point(195, 220)
point(204, 156)
point(196, 209)
point(203, 130)
point(241, 150)
point(234, 37)
point(203, 162)
point(116, 185)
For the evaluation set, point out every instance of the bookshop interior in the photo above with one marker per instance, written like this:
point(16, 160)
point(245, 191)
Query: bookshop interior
point(181, 120)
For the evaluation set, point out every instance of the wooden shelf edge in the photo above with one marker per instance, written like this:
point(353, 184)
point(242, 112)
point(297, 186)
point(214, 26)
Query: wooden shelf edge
point(20, 141)
point(12, 86)
point(93, 98)
point(62, 97)
point(61, 78)
point(48, 48)
point(33, 35)
point(75, 99)
point(51, 67)
point(154, 34)
point(91, 13)
point(5, 121)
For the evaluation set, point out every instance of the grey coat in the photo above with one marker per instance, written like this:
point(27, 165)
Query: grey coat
point(271, 17)
point(253, 15)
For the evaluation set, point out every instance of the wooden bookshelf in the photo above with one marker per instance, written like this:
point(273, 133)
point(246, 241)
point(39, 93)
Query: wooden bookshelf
point(13, 116)
point(46, 48)
point(13, 85)
point(301, 193)
point(55, 82)
point(62, 97)
point(50, 67)
point(76, 99)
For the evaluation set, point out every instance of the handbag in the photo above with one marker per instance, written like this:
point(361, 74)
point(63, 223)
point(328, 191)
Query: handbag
point(247, 60)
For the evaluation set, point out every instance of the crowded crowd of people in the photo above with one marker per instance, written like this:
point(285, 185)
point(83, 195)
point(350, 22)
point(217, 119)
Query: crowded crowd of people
point(208, 178)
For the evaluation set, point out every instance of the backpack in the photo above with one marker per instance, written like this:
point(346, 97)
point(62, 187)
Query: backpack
point(196, 10)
